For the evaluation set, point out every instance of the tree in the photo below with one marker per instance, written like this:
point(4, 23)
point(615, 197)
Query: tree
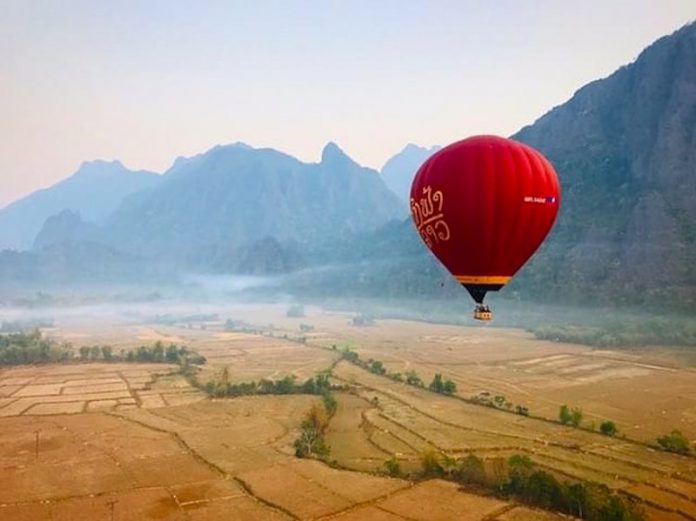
point(520, 461)
point(442, 386)
point(437, 384)
point(449, 387)
point(608, 427)
point(94, 352)
point(351, 356)
point(107, 353)
point(392, 466)
point(172, 354)
point(576, 417)
point(310, 443)
point(377, 367)
point(330, 403)
point(564, 415)
point(317, 419)
point(498, 473)
point(449, 465)
point(543, 489)
point(84, 352)
point(412, 378)
point(266, 386)
point(430, 463)
point(158, 352)
point(521, 467)
point(285, 386)
point(522, 410)
point(311, 440)
point(323, 384)
point(309, 387)
point(674, 442)
point(576, 498)
point(471, 470)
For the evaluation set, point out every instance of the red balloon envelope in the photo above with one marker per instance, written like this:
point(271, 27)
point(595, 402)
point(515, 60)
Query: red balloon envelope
point(483, 206)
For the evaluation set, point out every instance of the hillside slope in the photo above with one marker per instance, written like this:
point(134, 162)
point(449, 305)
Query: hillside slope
point(625, 150)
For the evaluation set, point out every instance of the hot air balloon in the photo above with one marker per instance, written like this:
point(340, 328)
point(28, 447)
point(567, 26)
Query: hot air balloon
point(483, 206)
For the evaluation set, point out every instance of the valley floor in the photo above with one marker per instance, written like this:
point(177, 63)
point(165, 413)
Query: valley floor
point(136, 441)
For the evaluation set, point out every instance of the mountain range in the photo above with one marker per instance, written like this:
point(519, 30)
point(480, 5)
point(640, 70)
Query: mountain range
point(232, 208)
point(624, 148)
point(94, 191)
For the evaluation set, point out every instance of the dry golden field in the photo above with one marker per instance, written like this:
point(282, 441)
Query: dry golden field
point(209, 460)
point(136, 441)
point(645, 392)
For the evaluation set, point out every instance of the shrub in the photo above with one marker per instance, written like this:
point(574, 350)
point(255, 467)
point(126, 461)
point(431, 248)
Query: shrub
point(674, 442)
point(392, 466)
point(608, 428)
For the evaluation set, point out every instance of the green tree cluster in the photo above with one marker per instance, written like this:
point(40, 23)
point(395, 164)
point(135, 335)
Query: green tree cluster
point(223, 387)
point(31, 348)
point(376, 367)
point(675, 442)
point(518, 477)
point(312, 441)
point(442, 385)
point(569, 416)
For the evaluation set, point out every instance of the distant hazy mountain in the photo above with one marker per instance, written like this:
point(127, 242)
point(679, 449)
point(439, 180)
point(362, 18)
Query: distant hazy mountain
point(213, 206)
point(399, 170)
point(94, 191)
point(66, 226)
point(625, 149)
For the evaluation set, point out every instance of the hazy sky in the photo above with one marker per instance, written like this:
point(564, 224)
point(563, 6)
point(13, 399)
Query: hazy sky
point(146, 81)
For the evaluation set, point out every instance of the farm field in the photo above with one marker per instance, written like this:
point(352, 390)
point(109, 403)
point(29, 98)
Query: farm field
point(79, 387)
point(137, 441)
point(226, 459)
point(643, 392)
point(401, 420)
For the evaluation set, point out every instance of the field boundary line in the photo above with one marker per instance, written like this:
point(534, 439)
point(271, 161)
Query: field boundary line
point(368, 436)
point(91, 495)
point(131, 391)
point(250, 491)
point(493, 516)
point(371, 502)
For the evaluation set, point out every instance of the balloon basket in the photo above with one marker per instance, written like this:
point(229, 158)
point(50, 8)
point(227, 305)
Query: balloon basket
point(483, 313)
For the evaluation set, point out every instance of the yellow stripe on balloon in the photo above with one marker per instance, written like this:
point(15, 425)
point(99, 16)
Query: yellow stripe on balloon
point(482, 279)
